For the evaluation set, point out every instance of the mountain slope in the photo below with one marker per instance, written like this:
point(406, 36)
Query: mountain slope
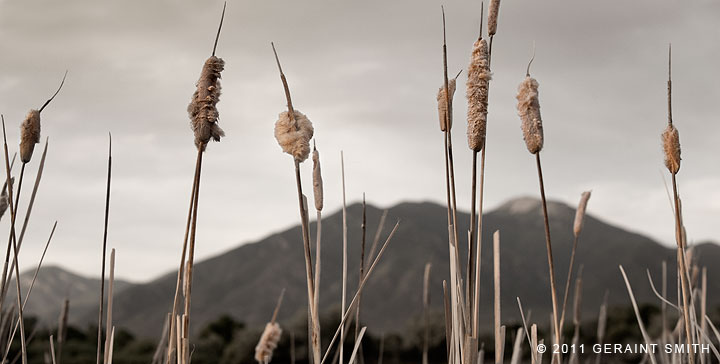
point(53, 285)
point(245, 282)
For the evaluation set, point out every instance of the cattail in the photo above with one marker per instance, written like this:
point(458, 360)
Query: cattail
point(294, 135)
point(580, 213)
point(493, 17)
point(317, 181)
point(29, 135)
point(529, 111)
point(477, 95)
point(268, 342)
point(202, 109)
point(445, 110)
point(30, 128)
point(671, 147)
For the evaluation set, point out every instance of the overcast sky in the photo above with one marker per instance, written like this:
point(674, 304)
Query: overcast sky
point(366, 73)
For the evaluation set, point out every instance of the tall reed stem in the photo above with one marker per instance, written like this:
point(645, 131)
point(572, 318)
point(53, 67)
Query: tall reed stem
point(104, 251)
point(567, 282)
point(683, 269)
point(13, 214)
point(173, 329)
point(315, 340)
point(551, 265)
point(344, 261)
point(191, 258)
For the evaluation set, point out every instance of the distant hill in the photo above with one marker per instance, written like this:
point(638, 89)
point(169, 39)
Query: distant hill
point(246, 281)
point(53, 285)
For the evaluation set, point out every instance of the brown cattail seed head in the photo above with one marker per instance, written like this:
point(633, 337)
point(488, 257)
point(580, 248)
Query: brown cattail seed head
point(477, 95)
point(202, 109)
point(529, 111)
point(671, 147)
point(317, 181)
point(493, 16)
point(580, 213)
point(29, 135)
point(445, 110)
point(268, 342)
point(294, 134)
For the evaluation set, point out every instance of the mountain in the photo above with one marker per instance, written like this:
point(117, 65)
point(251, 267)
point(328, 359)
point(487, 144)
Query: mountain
point(246, 281)
point(53, 285)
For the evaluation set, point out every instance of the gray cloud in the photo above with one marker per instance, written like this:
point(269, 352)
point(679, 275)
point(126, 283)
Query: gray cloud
point(366, 74)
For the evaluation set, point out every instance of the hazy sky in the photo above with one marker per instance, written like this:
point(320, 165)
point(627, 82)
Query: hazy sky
point(366, 73)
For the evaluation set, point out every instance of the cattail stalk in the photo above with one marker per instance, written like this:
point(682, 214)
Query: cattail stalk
point(108, 321)
point(663, 307)
point(533, 347)
point(426, 312)
point(602, 322)
point(446, 121)
point(671, 147)
point(13, 241)
point(448, 323)
point(529, 112)
point(517, 346)
point(577, 228)
point(499, 339)
point(52, 349)
point(300, 140)
point(30, 135)
point(203, 115)
point(353, 302)
point(643, 331)
point(190, 262)
point(548, 246)
point(482, 77)
point(344, 261)
point(174, 330)
point(63, 317)
point(358, 343)
point(703, 303)
point(319, 201)
point(159, 350)
point(363, 228)
point(477, 94)
point(104, 250)
point(62, 328)
point(376, 239)
point(31, 203)
point(576, 317)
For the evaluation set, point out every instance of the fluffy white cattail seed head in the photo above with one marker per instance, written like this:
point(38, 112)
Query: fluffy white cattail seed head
point(445, 110)
point(671, 148)
point(477, 95)
point(529, 112)
point(317, 181)
point(580, 213)
point(203, 105)
point(29, 135)
point(294, 135)
point(493, 16)
point(268, 342)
